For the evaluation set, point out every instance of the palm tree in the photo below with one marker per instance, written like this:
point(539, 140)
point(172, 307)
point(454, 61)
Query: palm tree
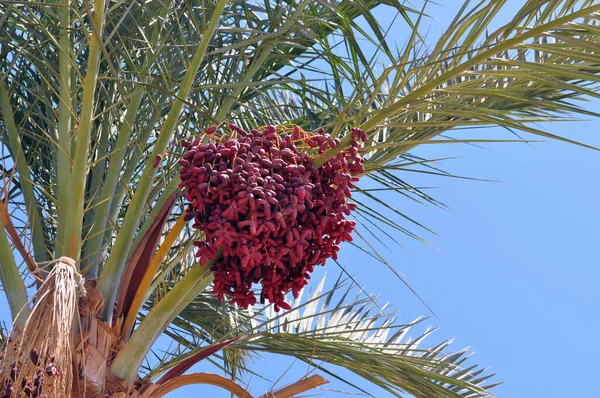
point(98, 262)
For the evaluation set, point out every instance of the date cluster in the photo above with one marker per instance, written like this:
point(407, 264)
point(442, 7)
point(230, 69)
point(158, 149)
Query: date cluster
point(266, 209)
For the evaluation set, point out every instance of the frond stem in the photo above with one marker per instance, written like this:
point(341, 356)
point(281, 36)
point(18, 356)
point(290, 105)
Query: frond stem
point(93, 247)
point(298, 387)
point(73, 232)
point(16, 239)
point(14, 142)
point(140, 295)
point(128, 361)
point(63, 152)
point(202, 378)
point(114, 267)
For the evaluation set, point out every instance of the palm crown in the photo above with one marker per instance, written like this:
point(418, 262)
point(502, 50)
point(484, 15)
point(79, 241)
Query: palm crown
point(92, 94)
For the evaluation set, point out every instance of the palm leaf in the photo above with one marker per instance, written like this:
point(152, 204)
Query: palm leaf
point(337, 327)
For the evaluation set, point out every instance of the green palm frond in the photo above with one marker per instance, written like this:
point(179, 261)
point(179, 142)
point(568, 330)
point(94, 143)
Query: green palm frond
point(340, 327)
point(538, 67)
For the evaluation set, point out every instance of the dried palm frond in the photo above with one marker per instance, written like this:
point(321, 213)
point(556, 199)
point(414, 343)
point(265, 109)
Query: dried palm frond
point(40, 357)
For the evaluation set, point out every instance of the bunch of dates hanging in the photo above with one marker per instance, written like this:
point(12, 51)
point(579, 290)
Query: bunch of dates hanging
point(266, 209)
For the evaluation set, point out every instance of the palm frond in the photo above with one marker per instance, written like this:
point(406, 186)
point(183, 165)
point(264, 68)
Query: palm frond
point(341, 327)
point(538, 67)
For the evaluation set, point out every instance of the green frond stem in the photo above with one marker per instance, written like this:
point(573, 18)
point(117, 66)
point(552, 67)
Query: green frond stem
point(14, 143)
point(129, 360)
point(116, 201)
point(63, 152)
point(73, 232)
point(88, 258)
point(13, 284)
point(93, 246)
point(114, 267)
point(101, 214)
point(132, 163)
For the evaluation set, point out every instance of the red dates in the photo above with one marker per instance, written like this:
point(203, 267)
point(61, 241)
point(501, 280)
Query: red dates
point(272, 212)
